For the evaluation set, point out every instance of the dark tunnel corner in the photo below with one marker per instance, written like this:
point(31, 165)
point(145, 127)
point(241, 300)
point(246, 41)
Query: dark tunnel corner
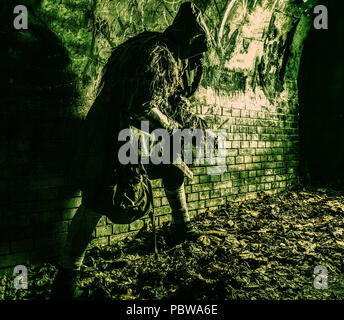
point(38, 134)
point(321, 94)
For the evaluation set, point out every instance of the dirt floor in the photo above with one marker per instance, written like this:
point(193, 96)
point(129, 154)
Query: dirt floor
point(261, 249)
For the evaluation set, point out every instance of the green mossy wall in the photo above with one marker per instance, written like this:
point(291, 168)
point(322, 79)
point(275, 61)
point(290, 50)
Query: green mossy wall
point(51, 74)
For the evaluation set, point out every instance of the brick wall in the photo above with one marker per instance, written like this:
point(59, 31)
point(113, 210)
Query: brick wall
point(249, 89)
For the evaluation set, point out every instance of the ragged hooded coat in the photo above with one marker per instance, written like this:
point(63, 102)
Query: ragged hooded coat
point(149, 70)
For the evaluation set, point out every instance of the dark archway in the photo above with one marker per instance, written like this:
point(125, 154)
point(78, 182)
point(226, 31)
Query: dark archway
point(321, 95)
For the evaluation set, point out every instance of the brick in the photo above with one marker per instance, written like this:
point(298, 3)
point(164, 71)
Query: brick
point(162, 210)
point(158, 192)
point(226, 145)
point(236, 113)
point(118, 237)
point(204, 195)
point(239, 160)
point(274, 185)
point(251, 195)
point(244, 144)
point(105, 230)
point(252, 130)
point(236, 167)
point(235, 190)
point(243, 189)
point(232, 152)
point(235, 175)
point(219, 185)
point(227, 112)
point(192, 197)
point(267, 186)
point(252, 174)
point(268, 171)
point(291, 170)
point(253, 144)
point(215, 202)
point(215, 193)
point(202, 187)
point(237, 183)
point(157, 202)
point(192, 214)
point(136, 225)
point(188, 189)
point(164, 201)
point(247, 152)
point(196, 205)
point(164, 219)
point(226, 176)
point(253, 180)
point(253, 166)
point(260, 173)
point(205, 178)
point(283, 184)
point(157, 183)
point(196, 179)
point(225, 192)
point(102, 241)
point(243, 174)
point(198, 170)
point(210, 110)
point(230, 160)
point(235, 145)
point(269, 165)
point(214, 178)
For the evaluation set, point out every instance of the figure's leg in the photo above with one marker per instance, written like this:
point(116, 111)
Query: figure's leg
point(173, 181)
point(79, 235)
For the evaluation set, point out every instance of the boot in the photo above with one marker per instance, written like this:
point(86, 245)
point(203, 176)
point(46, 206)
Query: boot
point(185, 231)
point(79, 234)
point(65, 285)
point(181, 228)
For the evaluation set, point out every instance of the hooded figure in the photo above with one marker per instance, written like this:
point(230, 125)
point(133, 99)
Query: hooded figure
point(150, 70)
point(146, 78)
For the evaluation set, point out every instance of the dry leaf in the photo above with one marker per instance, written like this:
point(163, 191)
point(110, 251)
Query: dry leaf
point(253, 213)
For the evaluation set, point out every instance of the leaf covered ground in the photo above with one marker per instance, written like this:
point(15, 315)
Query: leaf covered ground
point(260, 249)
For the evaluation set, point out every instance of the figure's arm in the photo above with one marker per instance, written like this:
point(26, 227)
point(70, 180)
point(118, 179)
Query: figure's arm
point(157, 119)
point(166, 122)
point(171, 88)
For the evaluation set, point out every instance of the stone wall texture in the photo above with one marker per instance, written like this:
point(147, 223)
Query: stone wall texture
point(53, 69)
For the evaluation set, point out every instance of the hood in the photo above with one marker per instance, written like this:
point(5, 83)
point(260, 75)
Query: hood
point(187, 33)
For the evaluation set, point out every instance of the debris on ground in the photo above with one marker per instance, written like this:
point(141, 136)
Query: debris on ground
point(265, 248)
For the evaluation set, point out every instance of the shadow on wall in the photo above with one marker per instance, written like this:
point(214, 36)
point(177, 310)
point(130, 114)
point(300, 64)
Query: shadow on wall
point(38, 133)
point(37, 140)
point(321, 93)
